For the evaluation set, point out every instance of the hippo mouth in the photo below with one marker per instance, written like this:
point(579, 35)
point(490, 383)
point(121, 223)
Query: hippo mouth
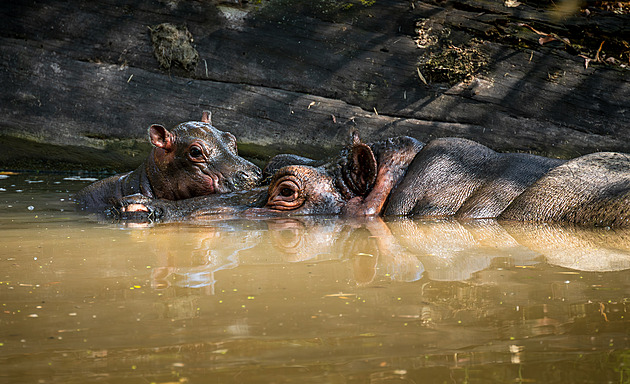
point(216, 184)
point(202, 184)
point(212, 183)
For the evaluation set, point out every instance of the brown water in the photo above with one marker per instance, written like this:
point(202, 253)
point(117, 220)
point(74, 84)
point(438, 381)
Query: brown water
point(303, 300)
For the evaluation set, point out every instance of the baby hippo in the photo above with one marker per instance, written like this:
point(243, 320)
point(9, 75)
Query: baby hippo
point(193, 159)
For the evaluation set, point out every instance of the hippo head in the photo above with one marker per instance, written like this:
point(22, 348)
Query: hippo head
point(303, 190)
point(356, 184)
point(196, 159)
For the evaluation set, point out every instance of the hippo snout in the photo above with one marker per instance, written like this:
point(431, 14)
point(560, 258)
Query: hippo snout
point(245, 179)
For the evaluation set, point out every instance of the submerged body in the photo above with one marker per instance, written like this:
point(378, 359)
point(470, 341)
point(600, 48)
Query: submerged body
point(194, 159)
point(448, 177)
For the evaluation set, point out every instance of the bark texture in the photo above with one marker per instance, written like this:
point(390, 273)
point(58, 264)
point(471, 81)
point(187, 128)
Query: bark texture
point(82, 81)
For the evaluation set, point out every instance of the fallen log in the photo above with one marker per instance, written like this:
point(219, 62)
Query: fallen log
point(289, 78)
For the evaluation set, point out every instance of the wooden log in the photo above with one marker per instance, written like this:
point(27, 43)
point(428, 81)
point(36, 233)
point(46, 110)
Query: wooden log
point(90, 78)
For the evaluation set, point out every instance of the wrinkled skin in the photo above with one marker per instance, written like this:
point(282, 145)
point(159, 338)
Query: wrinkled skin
point(591, 189)
point(283, 160)
point(446, 178)
point(194, 159)
point(461, 178)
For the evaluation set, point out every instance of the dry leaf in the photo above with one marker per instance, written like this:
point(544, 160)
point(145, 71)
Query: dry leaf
point(422, 77)
point(546, 39)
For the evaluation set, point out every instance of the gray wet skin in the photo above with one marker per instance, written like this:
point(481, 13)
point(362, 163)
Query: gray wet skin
point(448, 177)
point(193, 159)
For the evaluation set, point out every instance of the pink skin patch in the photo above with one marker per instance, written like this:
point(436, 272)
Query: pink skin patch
point(373, 203)
point(135, 208)
point(211, 184)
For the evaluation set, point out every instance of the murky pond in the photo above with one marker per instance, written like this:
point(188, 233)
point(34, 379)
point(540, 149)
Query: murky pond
point(303, 300)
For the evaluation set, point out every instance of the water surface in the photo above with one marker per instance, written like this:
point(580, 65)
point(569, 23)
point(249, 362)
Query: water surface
point(303, 300)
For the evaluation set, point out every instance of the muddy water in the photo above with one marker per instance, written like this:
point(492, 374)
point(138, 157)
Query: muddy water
point(300, 300)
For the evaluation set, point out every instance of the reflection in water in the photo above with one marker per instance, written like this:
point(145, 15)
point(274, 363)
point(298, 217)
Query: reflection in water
point(297, 299)
point(583, 249)
point(453, 251)
point(400, 250)
point(188, 258)
point(367, 246)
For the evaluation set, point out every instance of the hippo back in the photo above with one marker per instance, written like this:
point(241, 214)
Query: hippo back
point(462, 178)
point(592, 189)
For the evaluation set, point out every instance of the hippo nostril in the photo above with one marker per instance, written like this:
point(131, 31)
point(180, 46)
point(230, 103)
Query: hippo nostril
point(243, 177)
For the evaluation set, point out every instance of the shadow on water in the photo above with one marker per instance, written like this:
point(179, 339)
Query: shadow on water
point(303, 299)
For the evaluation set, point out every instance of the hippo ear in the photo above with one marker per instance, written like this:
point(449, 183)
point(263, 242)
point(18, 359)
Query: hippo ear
point(206, 117)
point(161, 137)
point(361, 168)
point(354, 137)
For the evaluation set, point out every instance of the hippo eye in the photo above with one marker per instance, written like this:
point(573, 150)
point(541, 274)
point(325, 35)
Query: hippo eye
point(286, 195)
point(286, 192)
point(196, 153)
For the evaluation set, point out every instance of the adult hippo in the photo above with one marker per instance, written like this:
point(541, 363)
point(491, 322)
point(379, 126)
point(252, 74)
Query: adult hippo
point(448, 177)
point(193, 159)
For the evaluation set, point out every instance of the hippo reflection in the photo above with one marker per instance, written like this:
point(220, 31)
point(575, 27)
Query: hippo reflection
point(191, 256)
point(193, 159)
point(448, 177)
point(373, 250)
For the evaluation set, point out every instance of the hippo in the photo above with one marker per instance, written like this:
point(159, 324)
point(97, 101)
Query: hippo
point(193, 159)
point(448, 177)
